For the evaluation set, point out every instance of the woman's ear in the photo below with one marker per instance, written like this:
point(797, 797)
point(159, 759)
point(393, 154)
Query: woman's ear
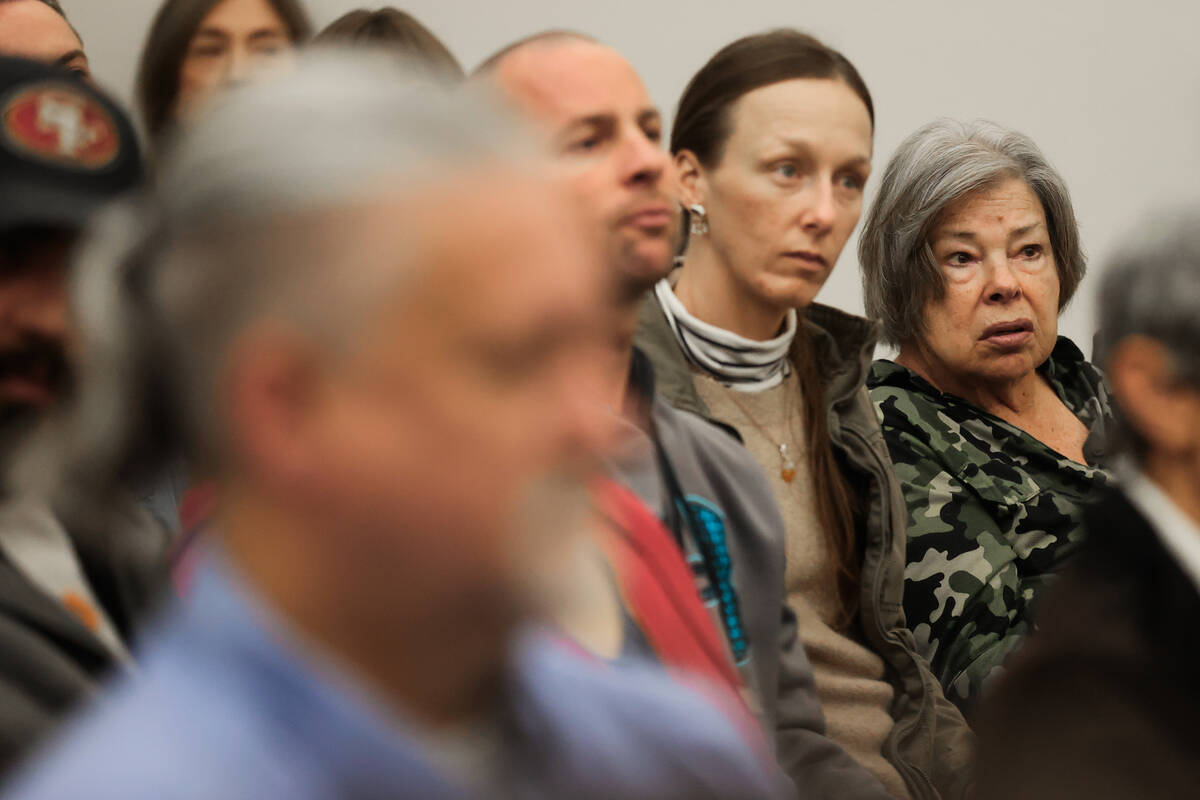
point(689, 175)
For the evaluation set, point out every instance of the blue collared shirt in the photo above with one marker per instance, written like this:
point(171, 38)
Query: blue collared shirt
point(229, 705)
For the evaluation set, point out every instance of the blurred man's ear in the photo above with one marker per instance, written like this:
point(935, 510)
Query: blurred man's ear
point(272, 394)
point(1165, 412)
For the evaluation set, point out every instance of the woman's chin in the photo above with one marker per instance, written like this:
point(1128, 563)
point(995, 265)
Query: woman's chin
point(790, 293)
point(1010, 368)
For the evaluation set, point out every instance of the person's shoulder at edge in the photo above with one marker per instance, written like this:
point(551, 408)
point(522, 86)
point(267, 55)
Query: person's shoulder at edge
point(904, 401)
point(171, 733)
point(1078, 377)
point(888, 377)
point(1085, 667)
point(162, 732)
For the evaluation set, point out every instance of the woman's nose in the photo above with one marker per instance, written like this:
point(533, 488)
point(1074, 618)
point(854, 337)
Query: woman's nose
point(237, 70)
point(822, 213)
point(1003, 285)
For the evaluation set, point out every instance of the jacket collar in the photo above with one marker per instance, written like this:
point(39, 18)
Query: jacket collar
point(22, 602)
point(843, 345)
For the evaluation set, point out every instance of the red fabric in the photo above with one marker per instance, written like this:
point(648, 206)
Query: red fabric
point(195, 510)
point(660, 593)
point(197, 506)
point(659, 590)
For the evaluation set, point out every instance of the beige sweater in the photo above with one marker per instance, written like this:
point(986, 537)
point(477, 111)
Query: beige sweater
point(850, 678)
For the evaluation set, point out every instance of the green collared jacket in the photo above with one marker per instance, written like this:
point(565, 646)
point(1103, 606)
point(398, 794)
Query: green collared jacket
point(930, 744)
point(992, 512)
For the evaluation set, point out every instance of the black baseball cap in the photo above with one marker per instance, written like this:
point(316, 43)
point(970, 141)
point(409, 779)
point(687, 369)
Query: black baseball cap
point(65, 147)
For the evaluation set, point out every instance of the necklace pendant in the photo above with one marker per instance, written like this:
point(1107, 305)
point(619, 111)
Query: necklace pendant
point(787, 467)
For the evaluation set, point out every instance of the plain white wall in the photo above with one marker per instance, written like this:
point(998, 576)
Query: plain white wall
point(1109, 90)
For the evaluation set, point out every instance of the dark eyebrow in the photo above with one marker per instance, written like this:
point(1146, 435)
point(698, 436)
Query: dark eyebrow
point(213, 33)
point(592, 119)
point(649, 115)
point(1019, 232)
point(799, 145)
point(804, 150)
point(267, 33)
point(69, 56)
point(603, 123)
point(970, 235)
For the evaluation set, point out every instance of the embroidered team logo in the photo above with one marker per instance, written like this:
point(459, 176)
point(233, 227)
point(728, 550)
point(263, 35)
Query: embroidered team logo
point(56, 124)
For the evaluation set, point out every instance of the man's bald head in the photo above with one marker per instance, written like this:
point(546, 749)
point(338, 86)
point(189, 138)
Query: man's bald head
point(602, 128)
point(489, 64)
point(39, 30)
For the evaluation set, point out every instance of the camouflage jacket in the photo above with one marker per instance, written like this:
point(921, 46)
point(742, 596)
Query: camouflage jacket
point(992, 512)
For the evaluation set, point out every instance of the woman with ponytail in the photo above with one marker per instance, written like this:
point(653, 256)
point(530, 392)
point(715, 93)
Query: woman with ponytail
point(772, 145)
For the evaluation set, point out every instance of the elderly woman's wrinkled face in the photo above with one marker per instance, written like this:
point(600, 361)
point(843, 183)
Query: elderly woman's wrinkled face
point(788, 189)
point(236, 40)
point(998, 320)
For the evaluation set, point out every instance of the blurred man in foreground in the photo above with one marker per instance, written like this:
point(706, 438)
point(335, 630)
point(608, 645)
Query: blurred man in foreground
point(1102, 701)
point(39, 30)
point(604, 134)
point(74, 577)
point(396, 462)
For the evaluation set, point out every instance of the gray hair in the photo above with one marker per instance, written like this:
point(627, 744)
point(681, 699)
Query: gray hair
point(1152, 288)
point(243, 224)
point(940, 163)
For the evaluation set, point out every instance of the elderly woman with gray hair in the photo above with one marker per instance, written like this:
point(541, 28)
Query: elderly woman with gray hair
point(993, 421)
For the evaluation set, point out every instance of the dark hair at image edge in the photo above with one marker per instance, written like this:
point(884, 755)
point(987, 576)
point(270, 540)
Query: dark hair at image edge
point(162, 55)
point(703, 124)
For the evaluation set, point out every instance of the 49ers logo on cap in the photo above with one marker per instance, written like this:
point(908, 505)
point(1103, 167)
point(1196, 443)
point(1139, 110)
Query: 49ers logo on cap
point(57, 124)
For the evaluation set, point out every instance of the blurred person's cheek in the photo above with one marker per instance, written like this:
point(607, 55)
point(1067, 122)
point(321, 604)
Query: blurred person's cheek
point(593, 405)
point(268, 65)
point(203, 79)
point(553, 547)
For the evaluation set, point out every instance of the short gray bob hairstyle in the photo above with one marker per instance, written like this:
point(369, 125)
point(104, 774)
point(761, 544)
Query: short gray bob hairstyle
point(940, 163)
point(1152, 288)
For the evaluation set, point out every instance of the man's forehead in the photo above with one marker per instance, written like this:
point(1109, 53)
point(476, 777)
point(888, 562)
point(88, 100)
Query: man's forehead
point(30, 26)
point(448, 219)
point(562, 81)
point(507, 235)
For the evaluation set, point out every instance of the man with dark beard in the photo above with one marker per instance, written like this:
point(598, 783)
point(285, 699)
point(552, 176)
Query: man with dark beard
point(69, 592)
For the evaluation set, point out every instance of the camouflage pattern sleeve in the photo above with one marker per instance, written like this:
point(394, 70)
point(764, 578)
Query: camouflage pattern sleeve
point(963, 595)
